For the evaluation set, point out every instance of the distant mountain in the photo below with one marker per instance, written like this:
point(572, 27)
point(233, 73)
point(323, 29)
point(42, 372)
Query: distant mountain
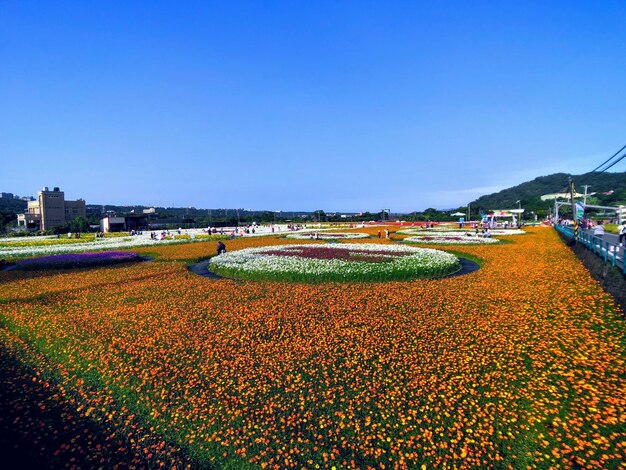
point(529, 193)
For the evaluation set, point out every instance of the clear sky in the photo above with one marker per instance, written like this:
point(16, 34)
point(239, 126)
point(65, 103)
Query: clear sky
point(303, 105)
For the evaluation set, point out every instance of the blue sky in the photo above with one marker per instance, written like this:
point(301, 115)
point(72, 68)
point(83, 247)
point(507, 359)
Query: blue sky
point(294, 105)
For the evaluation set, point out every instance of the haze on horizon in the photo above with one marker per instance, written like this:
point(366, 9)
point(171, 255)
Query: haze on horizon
point(341, 106)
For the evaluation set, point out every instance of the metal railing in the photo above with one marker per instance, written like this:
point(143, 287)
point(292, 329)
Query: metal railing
point(608, 251)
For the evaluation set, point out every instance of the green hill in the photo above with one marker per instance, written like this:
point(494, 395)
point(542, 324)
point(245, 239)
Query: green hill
point(15, 205)
point(530, 192)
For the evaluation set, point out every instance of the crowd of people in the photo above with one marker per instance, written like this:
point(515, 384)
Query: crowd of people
point(484, 231)
point(159, 236)
point(597, 228)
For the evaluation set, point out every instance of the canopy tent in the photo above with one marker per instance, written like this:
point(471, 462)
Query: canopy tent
point(491, 217)
point(457, 214)
point(505, 212)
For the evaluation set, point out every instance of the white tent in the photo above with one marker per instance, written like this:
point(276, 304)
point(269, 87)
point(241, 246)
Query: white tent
point(504, 213)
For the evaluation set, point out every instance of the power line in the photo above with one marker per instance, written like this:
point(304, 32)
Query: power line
point(612, 164)
point(608, 160)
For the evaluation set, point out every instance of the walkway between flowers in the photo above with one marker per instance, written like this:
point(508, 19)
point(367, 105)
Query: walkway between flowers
point(202, 269)
point(467, 266)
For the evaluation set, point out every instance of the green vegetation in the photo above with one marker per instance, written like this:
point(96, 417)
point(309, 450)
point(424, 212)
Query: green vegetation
point(530, 192)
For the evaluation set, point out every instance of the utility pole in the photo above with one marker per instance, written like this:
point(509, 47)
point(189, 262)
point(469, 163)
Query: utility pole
point(571, 192)
point(585, 196)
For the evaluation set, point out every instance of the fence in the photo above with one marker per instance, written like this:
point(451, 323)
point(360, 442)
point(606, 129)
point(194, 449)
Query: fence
point(605, 249)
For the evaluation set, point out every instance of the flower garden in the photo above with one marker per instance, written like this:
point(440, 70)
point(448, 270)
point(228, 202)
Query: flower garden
point(77, 260)
point(447, 239)
point(460, 233)
point(448, 230)
point(327, 235)
point(335, 263)
point(520, 364)
point(446, 235)
point(15, 248)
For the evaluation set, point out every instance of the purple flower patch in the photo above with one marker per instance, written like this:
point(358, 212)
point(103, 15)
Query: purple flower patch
point(78, 260)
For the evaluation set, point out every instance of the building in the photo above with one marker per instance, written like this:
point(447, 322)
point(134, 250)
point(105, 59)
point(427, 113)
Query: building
point(50, 210)
point(125, 223)
point(548, 197)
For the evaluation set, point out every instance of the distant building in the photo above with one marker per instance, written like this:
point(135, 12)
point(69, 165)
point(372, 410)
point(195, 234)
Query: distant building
point(50, 210)
point(173, 222)
point(112, 224)
point(547, 197)
point(126, 223)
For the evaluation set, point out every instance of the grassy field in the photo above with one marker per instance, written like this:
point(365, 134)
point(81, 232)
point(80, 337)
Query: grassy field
point(520, 364)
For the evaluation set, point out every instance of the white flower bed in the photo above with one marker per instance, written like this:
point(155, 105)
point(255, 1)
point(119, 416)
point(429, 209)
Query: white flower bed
point(447, 239)
point(327, 236)
point(100, 244)
point(324, 263)
point(460, 233)
point(34, 238)
point(115, 243)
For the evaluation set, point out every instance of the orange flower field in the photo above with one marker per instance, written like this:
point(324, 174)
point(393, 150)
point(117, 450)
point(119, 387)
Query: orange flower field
point(520, 364)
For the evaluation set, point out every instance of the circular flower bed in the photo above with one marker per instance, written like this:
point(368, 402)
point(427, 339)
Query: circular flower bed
point(451, 240)
point(461, 233)
point(326, 236)
point(330, 263)
point(77, 260)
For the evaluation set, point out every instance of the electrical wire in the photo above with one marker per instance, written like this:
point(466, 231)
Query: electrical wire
point(613, 164)
point(608, 160)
